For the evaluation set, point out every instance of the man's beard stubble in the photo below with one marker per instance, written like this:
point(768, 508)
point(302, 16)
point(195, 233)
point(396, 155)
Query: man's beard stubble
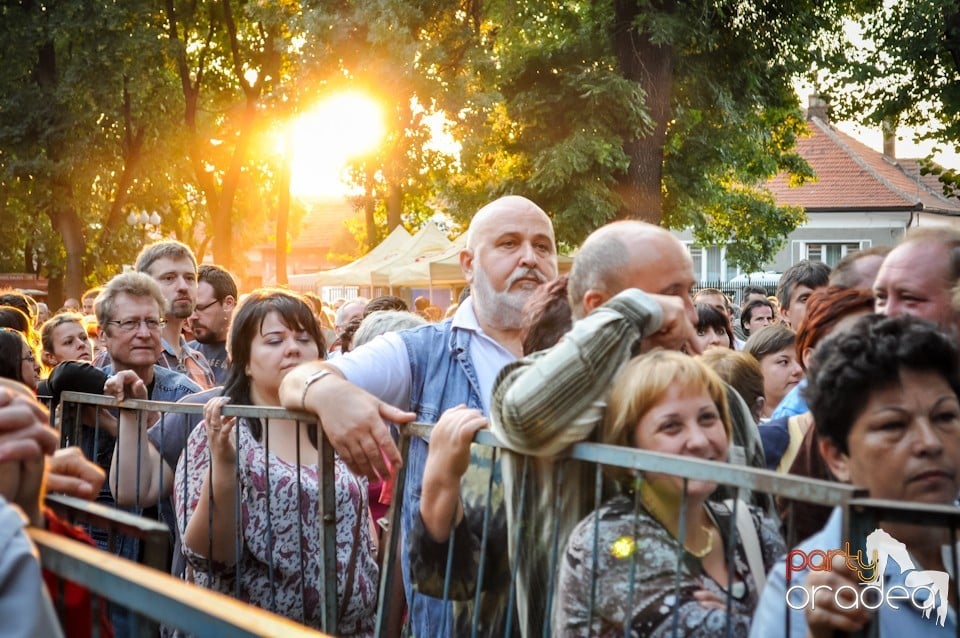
point(506, 307)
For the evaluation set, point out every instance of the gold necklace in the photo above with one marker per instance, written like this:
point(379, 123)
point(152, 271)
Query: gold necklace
point(657, 514)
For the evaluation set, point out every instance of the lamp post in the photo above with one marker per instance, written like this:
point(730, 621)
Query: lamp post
point(150, 222)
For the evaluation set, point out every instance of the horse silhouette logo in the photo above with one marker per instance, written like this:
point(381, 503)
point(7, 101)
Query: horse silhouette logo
point(883, 547)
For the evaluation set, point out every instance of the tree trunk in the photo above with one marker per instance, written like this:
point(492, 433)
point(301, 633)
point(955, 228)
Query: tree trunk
point(283, 217)
point(394, 206)
point(66, 223)
point(223, 213)
point(651, 65)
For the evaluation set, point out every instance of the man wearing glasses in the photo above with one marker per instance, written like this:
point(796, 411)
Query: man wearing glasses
point(216, 301)
point(130, 313)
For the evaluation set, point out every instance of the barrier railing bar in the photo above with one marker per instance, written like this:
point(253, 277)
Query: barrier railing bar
point(794, 487)
point(153, 534)
point(157, 595)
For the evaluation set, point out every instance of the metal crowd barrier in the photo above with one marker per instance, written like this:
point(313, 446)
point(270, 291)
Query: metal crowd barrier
point(156, 597)
point(98, 445)
point(599, 455)
point(861, 515)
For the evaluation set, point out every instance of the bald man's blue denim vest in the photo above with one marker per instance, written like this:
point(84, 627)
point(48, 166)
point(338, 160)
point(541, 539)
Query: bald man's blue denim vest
point(442, 377)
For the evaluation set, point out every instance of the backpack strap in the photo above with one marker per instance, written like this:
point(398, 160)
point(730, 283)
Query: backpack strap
point(751, 542)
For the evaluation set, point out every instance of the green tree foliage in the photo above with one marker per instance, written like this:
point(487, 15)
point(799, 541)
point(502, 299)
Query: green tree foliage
point(79, 107)
point(903, 69)
point(671, 112)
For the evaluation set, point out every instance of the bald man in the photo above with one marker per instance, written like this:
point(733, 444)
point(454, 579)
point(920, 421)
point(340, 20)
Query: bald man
point(421, 373)
point(630, 292)
point(920, 277)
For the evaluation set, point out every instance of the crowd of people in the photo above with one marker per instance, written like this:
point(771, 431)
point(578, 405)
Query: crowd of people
point(848, 374)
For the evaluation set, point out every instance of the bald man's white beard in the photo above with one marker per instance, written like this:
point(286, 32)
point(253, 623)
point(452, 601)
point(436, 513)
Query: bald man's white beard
point(502, 309)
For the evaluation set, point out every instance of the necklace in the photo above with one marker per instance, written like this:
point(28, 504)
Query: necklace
point(657, 514)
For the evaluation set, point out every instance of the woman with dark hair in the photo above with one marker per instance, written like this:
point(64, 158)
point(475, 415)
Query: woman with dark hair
point(17, 360)
point(828, 310)
point(885, 398)
point(713, 328)
point(279, 570)
point(774, 348)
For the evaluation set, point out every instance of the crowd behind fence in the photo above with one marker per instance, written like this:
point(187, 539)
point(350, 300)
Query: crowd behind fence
point(168, 601)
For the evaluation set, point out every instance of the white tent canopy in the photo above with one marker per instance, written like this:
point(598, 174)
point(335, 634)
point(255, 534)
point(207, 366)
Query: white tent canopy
point(357, 273)
point(439, 270)
point(444, 269)
point(429, 242)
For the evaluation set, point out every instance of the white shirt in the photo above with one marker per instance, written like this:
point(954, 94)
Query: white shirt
point(382, 366)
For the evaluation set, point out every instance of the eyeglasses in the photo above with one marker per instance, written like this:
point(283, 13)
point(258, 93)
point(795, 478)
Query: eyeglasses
point(204, 307)
point(131, 325)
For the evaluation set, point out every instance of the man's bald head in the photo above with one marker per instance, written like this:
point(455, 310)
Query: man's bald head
point(629, 254)
point(488, 218)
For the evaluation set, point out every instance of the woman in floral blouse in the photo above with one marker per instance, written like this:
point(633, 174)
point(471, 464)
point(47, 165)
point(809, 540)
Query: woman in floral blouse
point(271, 559)
point(648, 581)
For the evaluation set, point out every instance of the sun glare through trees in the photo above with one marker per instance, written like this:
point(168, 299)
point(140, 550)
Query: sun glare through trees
point(336, 130)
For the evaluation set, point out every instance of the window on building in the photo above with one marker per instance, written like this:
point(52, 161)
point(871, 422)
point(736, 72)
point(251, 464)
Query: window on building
point(830, 252)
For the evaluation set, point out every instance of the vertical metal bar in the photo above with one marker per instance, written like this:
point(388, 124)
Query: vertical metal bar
point(267, 493)
point(328, 548)
point(859, 521)
point(681, 537)
point(483, 540)
point(162, 426)
point(388, 574)
point(559, 474)
point(136, 497)
point(597, 497)
point(517, 542)
point(632, 586)
point(448, 570)
point(303, 570)
point(238, 510)
point(730, 552)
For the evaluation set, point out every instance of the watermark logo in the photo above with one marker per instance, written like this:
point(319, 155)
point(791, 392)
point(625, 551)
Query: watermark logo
point(924, 589)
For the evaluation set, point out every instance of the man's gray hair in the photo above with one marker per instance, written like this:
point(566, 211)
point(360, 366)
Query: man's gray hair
point(164, 249)
point(384, 321)
point(134, 284)
point(598, 265)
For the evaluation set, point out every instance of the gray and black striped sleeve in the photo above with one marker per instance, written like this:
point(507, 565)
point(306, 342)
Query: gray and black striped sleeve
point(545, 402)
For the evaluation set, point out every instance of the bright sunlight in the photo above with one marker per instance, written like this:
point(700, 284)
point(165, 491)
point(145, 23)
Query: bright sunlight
point(324, 138)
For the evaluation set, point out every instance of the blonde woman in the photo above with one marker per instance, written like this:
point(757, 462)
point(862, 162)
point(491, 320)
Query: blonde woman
point(664, 402)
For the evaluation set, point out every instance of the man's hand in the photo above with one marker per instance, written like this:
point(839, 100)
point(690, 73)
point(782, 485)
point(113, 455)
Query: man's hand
point(353, 420)
point(69, 472)
point(678, 330)
point(824, 616)
point(127, 385)
point(25, 431)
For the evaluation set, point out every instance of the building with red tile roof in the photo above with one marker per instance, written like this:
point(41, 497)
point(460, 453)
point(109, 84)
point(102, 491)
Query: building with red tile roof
point(860, 198)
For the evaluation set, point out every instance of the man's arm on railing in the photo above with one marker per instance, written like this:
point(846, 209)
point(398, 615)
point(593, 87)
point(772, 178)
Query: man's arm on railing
point(545, 402)
point(136, 466)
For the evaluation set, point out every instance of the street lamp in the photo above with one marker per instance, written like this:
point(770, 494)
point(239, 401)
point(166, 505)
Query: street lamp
point(150, 222)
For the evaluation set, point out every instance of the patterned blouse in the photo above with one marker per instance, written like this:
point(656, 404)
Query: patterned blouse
point(357, 570)
point(658, 601)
